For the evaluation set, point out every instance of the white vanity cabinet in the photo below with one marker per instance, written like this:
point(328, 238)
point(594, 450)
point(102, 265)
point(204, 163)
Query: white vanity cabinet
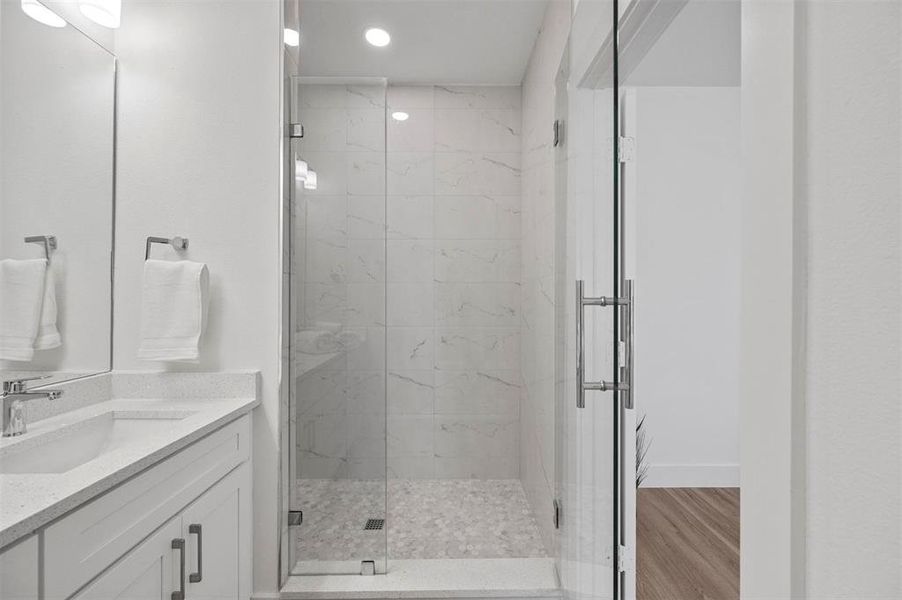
point(19, 571)
point(206, 538)
point(192, 508)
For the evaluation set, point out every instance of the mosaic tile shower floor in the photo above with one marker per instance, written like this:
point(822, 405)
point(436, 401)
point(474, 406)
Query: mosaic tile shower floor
point(454, 518)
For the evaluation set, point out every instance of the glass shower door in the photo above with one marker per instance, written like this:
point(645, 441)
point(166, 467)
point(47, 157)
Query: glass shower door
point(338, 433)
point(592, 348)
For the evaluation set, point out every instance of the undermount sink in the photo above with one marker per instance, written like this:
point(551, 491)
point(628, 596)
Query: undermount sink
point(66, 448)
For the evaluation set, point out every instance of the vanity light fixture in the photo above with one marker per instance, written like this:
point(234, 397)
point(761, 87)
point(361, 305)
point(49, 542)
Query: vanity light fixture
point(400, 115)
point(310, 181)
point(377, 37)
point(106, 13)
point(291, 37)
point(42, 14)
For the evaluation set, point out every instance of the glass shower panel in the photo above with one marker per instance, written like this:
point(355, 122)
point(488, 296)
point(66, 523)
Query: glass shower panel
point(589, 439)
point(338, 323)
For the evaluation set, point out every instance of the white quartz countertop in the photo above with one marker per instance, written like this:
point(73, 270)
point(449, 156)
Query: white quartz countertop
point(30, 501)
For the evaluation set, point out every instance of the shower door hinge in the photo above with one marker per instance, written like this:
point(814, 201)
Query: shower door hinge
point(626, 559)
point(295, 517)
point(627, 149)
point(295, 130)
point(558, 133)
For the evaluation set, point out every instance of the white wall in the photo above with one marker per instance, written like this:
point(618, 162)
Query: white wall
point(821, 291)
point(852, 162)
point(537, 414)
point(687, 244)
point(199, 156)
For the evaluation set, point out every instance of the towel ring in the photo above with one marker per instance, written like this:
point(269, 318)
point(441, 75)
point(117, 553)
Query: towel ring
point(178, 243)
point(49, 242)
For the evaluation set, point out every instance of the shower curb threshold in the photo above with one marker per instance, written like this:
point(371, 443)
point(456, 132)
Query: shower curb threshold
point(434, 579)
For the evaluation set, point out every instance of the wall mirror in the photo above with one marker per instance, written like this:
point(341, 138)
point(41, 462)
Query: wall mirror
point(57, 149)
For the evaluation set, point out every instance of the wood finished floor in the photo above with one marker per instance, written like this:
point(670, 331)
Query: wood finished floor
point(687, 545)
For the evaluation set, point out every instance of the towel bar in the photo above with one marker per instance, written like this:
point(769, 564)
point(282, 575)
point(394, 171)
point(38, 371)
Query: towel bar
point(177, 243)
point(49, 242)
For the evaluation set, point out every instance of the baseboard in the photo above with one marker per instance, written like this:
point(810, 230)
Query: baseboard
point(692, 476)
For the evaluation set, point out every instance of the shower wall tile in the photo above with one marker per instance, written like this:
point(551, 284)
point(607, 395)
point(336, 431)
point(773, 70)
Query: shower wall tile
point(366, 261)
point(410, 304)
point(411, 392)
point(410, 97)
point(325, 129)
point(411, 173)
point(477, 96)
point(479, 436)
point(365, 173)
point(417, 252)
point(482, 261)
point(477, 348)
point(483, 217)
point(410, 436)
point(410, 217)
point(416, 134)
point(366, 217)
point(477, 305)
point(365, 130)
point(411, 348)
point(410, 261)
point(477, 392)
point(471, 173)
point(466, 467)
point(366, 96)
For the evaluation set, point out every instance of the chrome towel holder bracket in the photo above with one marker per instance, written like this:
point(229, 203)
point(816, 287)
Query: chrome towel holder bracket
point(49, 242)
point(178, 243)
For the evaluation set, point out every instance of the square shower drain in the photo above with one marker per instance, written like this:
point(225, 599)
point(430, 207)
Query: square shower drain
point(374, 524)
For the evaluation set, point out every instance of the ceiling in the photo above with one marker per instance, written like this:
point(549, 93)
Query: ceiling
point(433, 41)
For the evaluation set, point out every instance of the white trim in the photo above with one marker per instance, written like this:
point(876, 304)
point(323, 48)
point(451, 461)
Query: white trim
point(692, 476)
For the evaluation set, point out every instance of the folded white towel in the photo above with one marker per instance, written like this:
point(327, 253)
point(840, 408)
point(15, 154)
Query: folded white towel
point(48, 334)
point(21, 297)
point(173, 310)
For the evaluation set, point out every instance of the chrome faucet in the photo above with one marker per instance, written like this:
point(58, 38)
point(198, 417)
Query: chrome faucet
point(14, 396)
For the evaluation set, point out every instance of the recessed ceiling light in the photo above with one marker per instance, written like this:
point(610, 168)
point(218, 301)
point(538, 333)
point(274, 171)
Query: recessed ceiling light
point(377, 37)
point(400, 116)
point(42, 14)
point(291, 37)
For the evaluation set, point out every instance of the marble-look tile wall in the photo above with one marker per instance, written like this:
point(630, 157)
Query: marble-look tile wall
point(537, 410)
point(419, 257)
point(453, 282)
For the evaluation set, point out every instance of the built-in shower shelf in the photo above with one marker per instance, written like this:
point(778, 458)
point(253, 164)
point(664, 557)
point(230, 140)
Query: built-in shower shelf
point(475, 578)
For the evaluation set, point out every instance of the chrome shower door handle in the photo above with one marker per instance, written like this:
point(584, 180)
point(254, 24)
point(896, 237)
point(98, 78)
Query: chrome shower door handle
point(582, 301)
point(198, 575)
point(179, 544)
point(628, 333)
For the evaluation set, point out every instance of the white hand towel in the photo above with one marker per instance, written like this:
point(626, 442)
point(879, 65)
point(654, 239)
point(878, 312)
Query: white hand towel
point(21, 298)
point(48, 334)
point(173, 310)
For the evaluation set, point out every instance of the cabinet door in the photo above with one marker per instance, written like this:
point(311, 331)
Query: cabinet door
point(19, 571)
point(149, 572)
point(216, 527)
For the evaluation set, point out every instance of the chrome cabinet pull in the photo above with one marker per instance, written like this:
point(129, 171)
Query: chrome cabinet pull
point(197, 576)
point(623, 386)
point(179, 544)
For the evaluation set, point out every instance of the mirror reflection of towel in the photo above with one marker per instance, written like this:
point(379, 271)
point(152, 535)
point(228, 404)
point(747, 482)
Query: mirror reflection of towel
point(27, 308)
